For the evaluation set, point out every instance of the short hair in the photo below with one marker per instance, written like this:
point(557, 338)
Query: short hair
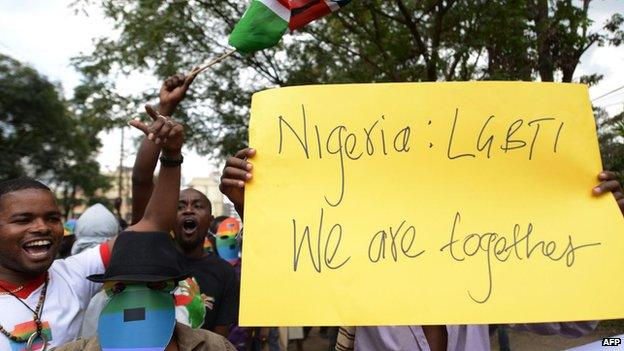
point(23, 183)
point(200, 193)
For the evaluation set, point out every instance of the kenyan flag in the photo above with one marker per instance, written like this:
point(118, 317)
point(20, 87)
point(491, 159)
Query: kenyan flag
point(262, 26)
point(265, 21)
point(303, 12)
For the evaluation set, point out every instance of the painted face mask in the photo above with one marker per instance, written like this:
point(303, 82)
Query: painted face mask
point(138, 316)
point(69, 227)
point(189, 303)
point(227, 246)
point(208, 247)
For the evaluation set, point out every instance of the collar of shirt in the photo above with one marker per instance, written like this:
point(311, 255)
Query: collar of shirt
point(27, 289)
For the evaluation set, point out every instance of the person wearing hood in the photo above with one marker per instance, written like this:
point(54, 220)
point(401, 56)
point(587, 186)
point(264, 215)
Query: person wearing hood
point(96, 225)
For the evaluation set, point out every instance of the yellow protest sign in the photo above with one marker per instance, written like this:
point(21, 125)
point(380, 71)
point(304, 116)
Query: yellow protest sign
point(428, 203)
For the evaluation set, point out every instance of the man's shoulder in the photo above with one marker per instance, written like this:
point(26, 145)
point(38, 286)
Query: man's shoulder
point(200, 339)
point(93, 255)
point(91, 344)
point(82, 263)
point(212, 263)
point(220, 263)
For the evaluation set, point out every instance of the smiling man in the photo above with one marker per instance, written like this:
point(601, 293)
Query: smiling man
point(42, 301)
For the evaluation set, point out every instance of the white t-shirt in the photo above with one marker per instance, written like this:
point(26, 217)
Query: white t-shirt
point(67, 297)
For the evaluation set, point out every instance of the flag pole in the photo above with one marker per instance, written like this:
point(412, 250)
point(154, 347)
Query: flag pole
point(215, 61)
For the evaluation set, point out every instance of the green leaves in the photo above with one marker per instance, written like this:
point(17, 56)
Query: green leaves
point(42, 136)
point(367, 41)
point(610, 134)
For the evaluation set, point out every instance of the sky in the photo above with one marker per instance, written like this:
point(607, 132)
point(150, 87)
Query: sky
point(47, 33)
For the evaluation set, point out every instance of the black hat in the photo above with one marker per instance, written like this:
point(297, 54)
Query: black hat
point(142, 257)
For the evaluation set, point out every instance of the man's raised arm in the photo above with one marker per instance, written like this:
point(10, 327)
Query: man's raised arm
point(171, 93)
point(160, 212)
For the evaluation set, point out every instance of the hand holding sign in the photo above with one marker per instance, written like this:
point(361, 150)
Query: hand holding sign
point(608, 184)
point(236, 173)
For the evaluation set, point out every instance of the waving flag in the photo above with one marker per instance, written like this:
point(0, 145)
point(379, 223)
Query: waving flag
point(265, 21)
point(303, 12)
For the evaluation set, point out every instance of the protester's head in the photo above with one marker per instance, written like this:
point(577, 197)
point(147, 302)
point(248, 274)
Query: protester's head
point(137, 315)
point(226, 240)
point(96, 225)
point(139, 282)
point(193, 221)
point(214, 226)
point(31, 227)
point(210, 243)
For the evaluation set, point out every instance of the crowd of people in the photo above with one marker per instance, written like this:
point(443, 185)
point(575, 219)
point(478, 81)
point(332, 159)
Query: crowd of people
point(170, 279)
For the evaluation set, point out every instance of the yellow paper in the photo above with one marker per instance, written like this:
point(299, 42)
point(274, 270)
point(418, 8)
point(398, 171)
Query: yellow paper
point(428, 203)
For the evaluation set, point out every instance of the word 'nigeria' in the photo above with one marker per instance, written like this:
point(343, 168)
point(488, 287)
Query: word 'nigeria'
point(394, 244)
point(347, 144)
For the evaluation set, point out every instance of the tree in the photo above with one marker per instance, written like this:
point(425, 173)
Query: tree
point(33, 121)
point(40, 137)
point(563, 35)
point(367, 41)
point(610, 136)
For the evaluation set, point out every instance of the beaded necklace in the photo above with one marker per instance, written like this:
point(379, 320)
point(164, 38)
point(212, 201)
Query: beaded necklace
point(36, 317)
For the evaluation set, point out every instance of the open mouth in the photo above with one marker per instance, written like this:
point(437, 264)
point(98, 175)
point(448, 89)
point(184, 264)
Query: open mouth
point(37, 248)
point(189, 226)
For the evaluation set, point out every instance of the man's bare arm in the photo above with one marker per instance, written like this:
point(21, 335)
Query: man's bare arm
point(160, 211)
point(171, 93)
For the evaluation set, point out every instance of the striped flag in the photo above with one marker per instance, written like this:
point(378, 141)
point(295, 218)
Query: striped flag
point(265, 21)
point(303, 12)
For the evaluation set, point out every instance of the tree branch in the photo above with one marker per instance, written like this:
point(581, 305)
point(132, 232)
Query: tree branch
point(413, 30)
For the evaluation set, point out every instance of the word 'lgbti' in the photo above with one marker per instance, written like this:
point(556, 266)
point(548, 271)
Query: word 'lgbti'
point(353, 143)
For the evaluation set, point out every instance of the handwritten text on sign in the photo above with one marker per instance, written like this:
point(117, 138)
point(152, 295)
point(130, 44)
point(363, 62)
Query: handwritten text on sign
point(430, 203)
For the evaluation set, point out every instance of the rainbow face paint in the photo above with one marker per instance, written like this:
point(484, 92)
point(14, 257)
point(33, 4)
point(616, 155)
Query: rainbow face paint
point(208, 247)
point(228, 226)
point(227, 245)
point(137, 317)
point(69, 227)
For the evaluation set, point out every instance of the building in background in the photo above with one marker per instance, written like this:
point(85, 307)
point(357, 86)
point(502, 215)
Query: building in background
point(121, 188)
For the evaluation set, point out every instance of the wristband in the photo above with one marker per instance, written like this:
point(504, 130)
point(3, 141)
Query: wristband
point(171, 161)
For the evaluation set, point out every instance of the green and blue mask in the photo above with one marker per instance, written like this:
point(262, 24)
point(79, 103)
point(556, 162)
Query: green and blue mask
point(137, 317)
